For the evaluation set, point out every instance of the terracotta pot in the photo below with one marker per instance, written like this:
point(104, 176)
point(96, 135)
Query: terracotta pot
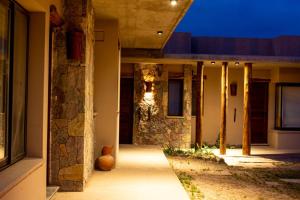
point(107, 150)
point(105, 163)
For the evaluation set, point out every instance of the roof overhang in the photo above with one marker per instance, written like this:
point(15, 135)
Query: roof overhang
point(140, 20)
point(192, 59)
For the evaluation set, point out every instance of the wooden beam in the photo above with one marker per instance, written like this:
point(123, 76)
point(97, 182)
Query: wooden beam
point(199, 110)
point(224, 105)
point(247, 122)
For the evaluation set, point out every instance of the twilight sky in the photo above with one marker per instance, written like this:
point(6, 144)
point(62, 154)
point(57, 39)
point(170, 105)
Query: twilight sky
point(242, 18)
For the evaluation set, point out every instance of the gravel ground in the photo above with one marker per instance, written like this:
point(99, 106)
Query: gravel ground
point(218, 181)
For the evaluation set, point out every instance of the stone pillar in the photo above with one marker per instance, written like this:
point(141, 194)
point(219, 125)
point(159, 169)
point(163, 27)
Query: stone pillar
point(247, 123)
point(224, 107)
point(152, 125)
point(187, 107)
point(199, 110)
point(71, 107)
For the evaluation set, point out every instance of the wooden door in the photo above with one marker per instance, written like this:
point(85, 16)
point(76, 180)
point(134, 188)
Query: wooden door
point(259, 112)
point(126, 111)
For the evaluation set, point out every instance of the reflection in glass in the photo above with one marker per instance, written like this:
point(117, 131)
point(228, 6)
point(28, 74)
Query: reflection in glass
point(3, 73)
point(19, 85)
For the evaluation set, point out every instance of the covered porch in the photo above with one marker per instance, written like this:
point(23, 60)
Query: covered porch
point(221, 111)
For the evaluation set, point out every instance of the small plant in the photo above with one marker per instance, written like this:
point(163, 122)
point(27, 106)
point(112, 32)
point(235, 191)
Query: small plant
point(204, 153)
point(192, 189)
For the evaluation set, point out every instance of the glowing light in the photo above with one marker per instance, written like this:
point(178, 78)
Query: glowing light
point(213, 62)
point(148, 96)
point(237, 63)
point(159, 33)
point(173, 2)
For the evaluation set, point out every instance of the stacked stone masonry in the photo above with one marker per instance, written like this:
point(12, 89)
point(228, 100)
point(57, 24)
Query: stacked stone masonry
point(71, 125)
point(152, 125)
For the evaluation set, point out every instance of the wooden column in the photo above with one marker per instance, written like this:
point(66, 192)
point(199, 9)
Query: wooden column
point(199, 110)
point(247, 122)
point(224, 105)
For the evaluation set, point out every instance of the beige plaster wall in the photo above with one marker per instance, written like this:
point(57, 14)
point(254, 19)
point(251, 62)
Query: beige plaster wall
point(37, 105)
point(106, 86)
point(212, 103)
point(25, 188)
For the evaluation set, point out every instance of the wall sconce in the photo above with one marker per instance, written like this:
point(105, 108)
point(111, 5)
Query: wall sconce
point(233, 89)
point(148, 86)
point(75, 44)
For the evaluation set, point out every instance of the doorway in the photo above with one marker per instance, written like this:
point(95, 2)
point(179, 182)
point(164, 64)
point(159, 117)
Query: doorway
point(126, 111)
point(259, 111)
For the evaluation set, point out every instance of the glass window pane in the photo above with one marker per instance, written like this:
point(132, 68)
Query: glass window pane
point(19, 85)
point(175, 97)
point(291, 107)
point(3, 76)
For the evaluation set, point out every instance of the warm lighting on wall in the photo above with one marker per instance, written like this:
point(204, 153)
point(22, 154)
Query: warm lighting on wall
point(237, 63)
point(174, 2)
point(213, 62)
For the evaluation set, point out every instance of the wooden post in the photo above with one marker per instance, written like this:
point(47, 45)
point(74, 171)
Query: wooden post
point(224, 105)
point(199, 110)
point(247, 123)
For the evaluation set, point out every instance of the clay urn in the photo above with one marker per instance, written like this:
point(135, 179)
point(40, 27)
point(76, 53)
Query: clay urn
point(105, 163)
point(107, 150)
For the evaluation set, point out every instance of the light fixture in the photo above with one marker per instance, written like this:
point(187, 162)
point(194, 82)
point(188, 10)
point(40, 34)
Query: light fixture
point(148, 86)
point(174, 2)
point(237, 63)
point(160, 33)
point(233, 88)
point(213, 62)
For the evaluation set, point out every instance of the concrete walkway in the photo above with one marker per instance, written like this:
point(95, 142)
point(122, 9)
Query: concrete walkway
point(261, 156)
point(143, 173)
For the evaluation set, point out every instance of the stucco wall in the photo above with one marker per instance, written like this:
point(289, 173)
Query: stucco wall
point(26, 187)
point(152, 125)
point(106, 99)
point(211, 118)
point(37, 106)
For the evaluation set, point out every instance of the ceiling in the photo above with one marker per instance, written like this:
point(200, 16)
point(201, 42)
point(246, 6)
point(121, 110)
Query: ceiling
point(140, 20)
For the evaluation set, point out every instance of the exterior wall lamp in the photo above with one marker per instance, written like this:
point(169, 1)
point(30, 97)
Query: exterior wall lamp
point(148, 85)
point(233, 89)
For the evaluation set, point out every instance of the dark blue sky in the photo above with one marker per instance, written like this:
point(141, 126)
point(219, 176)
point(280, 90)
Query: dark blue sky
point(242, 18)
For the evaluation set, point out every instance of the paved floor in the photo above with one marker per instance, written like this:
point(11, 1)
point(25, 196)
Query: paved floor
point(261, 156)
point(143, 173)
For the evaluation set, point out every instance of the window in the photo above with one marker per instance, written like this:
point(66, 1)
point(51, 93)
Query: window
point(287, 106)
point(13, 82)
point(175, 97)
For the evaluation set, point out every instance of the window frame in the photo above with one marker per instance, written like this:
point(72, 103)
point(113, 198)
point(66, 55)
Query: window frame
point(278, 106)
point(182, 97)
point(8, 161)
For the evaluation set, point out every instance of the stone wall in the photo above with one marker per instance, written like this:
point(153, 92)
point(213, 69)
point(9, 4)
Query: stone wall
point(151, 123)
point(89, 129)
point(71, 125)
